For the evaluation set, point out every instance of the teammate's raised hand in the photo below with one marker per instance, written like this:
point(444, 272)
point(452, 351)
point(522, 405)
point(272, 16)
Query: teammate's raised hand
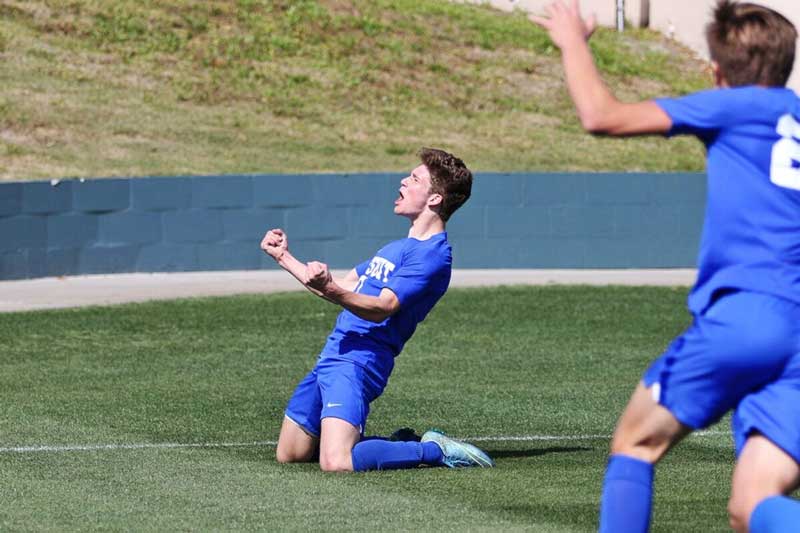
point(275, 243)
point(565, 24)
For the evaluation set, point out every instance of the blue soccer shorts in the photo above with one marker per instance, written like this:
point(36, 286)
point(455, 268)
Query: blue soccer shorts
point(743, 353)
point(333, 388)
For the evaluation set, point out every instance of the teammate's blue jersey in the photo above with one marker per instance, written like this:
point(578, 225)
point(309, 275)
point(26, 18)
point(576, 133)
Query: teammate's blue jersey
point(751, 233)
point(418, 272)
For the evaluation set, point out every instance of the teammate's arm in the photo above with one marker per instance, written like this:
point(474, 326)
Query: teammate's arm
point(372, 308)
point(598, 109)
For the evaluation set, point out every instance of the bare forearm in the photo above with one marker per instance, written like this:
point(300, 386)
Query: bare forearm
point(372, 308)
point(598, 109)
point(290, 264)
point(296, 268)
point(593, 100)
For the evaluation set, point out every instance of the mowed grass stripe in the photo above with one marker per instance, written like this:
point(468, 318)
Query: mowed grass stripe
point(493, 363)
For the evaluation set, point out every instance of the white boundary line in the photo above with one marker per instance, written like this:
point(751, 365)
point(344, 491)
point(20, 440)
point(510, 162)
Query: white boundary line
point(258, 444)
point(531, 438)
point(140, 446)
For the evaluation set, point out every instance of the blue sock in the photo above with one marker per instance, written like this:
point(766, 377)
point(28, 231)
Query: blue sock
point(375, 454)
point(627, 495)
point(774, 515)
point(432, 454)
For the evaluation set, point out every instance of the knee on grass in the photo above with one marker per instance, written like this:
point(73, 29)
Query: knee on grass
point(336, 462)
point(284, 456)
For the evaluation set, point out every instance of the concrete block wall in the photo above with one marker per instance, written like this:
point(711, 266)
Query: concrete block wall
point(216, 223)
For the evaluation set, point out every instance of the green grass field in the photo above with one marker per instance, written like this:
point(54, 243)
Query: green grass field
point(537, 376)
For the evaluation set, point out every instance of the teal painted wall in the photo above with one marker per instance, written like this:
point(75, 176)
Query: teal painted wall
point(216, 222)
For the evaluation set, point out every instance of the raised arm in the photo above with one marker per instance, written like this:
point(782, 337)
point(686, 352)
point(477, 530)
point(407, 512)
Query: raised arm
point(598, 109)
point(316, 277)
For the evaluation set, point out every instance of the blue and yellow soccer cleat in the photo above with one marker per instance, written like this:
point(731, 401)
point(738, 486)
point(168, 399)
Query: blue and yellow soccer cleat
point(457, 453)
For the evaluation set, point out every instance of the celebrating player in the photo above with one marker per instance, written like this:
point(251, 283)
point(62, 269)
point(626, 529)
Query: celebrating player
point(742, 351)
point(384, 299)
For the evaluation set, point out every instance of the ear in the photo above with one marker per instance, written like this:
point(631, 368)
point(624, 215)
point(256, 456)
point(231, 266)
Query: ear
point(435, 199)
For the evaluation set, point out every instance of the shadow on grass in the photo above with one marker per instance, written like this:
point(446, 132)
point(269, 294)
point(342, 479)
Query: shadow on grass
point(495, 454)
point(267, 454)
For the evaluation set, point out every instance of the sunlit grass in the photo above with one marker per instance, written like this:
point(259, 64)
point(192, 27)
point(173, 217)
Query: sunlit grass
point(492, 363)
point(91, 88)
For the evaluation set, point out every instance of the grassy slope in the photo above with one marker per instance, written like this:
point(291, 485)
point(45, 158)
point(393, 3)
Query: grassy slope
point(486, 362)
point(136, 87)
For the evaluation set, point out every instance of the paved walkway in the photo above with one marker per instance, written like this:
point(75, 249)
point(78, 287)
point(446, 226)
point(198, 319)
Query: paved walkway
point(53, 293)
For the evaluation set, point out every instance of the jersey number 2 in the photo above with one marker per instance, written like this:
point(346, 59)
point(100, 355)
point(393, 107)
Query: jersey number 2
point(785, 169)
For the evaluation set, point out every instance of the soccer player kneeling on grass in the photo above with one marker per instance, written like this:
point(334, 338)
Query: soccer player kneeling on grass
point(742, 351)
point(384, 299)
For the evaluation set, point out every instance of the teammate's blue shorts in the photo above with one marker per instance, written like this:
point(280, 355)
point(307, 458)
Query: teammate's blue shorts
point(337, 389)
point(743, 353)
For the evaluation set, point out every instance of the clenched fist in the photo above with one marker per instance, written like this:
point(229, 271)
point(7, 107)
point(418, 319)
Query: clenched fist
point(275, 243)
point(318, 275)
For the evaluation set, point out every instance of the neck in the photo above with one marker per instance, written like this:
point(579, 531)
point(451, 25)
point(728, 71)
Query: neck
point(424, 227)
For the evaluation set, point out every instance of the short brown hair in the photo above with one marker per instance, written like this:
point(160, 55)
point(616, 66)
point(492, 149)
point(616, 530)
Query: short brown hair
point(752, 44)
point(450, 177)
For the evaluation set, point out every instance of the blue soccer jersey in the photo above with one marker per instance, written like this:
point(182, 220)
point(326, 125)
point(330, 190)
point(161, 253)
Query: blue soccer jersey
point(418, 272)
point(751, 233)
